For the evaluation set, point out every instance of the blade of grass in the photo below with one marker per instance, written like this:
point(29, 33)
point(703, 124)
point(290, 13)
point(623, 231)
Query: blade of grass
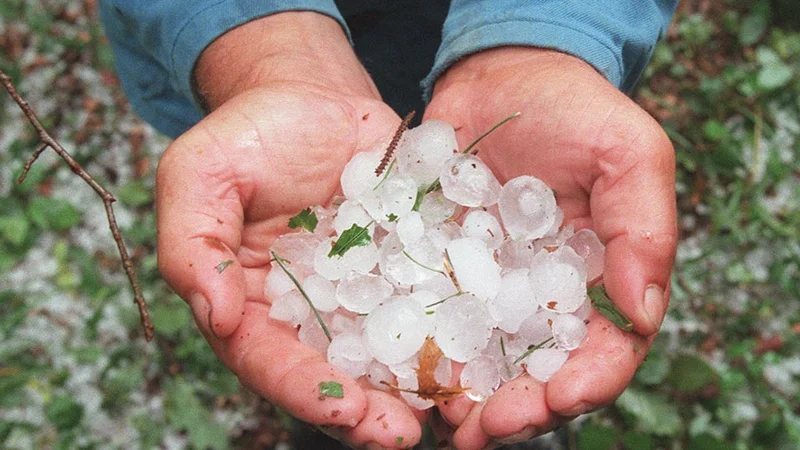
point(279, 260)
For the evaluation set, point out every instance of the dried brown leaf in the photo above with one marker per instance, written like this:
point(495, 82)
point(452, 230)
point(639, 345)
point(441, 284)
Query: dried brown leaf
point(429, 388)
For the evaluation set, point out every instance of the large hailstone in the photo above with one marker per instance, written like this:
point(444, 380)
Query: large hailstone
point(358, 176)
point(558, 279)
point(395, 330)
point(474, 266)
point(463, 327)
point(423, 150)
point(467, 181)
point(527, 207)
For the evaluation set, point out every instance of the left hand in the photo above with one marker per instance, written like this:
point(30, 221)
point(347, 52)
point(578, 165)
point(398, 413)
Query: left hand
point(613, 170)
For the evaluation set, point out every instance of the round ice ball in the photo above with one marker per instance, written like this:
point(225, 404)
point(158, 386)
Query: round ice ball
point(466, 180)
point(558, 279)
point(527, 207)
point(463, 327)
point(395, 330)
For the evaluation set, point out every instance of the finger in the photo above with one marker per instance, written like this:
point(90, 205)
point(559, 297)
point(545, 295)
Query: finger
point(269, 360)
point(598, 371)
point(199, 222)
point(454, 410)
point(517, 411)
point(634, 212)
point(388, 423)
point(470, 435)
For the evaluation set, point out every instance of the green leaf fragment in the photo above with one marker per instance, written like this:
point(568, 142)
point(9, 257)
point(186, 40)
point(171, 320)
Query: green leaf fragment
point(331, 389)
point(399, 440)
point(690, 374)
point(420, 197)
point(64, 412)
point(224, 265)
point(297, 284)
point(306, 219)
point(605, 306)
point(498, 125)
point(392, 218)
point(185, 411)
point(135, 194)
point(597, 437)
point(14, 229)
point(355, 236)
point(654, 413)
point(531, 350)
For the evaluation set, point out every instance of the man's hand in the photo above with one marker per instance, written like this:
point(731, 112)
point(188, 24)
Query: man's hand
point(612, 169)
point(291, 106)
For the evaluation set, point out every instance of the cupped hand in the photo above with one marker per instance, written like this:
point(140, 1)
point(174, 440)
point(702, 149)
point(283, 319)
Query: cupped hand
point(226, 190)
point(612, 169)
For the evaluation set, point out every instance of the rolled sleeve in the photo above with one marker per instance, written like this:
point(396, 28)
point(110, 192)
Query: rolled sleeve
point(616, 37)
point(157, 43)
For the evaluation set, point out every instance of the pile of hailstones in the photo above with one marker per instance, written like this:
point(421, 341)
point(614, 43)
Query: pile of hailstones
point(520, 279)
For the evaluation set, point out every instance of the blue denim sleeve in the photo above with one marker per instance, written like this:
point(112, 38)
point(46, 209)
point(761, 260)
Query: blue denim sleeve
point(156, 44)
point(616, 37)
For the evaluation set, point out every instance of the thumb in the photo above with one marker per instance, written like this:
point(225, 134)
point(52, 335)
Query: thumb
point(199, 231)
point(633, 210)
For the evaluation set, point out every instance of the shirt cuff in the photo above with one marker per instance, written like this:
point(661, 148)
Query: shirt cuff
point(525, 33)
point(616, 37)
point(205, 25)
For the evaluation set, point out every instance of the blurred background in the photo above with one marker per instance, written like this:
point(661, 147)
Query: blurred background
point(75, 371)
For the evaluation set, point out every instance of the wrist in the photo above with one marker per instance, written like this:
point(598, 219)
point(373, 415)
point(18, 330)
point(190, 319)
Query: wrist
point(494, 65)
point(305, 47)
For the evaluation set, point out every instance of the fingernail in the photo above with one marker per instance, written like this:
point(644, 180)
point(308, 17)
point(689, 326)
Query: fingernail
point(201, 309)
point(526, 433)
point(578, 409)
point(654, 305)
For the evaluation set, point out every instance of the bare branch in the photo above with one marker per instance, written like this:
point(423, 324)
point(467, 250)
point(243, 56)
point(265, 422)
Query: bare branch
point(108, 199)
point(29, 163)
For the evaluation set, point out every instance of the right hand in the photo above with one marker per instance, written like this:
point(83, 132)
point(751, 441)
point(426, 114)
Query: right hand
point(283, 126)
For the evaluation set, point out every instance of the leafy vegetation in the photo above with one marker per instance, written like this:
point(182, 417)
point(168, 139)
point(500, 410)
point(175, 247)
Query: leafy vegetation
point(76, 373)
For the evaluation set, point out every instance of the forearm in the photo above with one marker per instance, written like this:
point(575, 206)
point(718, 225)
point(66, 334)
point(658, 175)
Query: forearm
point(304, 47)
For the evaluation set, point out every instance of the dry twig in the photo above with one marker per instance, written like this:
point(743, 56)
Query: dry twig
point(108, 199)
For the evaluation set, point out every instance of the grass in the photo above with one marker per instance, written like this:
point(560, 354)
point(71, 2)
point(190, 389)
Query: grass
point(76, 373)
